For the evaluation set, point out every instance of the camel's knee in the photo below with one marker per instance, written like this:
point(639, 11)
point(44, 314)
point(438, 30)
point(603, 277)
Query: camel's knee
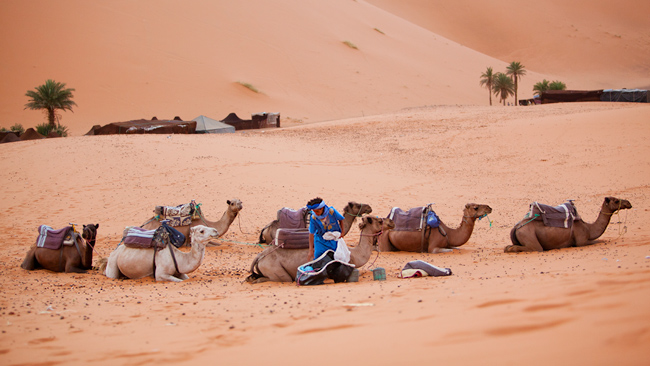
point(167, 277)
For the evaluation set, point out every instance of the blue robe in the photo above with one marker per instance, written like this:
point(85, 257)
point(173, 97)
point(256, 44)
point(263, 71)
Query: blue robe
point(319, 227)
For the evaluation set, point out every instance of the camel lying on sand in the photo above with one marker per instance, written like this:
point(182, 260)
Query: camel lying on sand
point(77, 258)
point(234, 206)
point(350, 212)
point(138, 262)
point(435, 240)
point(534, 236)
point(281, 265)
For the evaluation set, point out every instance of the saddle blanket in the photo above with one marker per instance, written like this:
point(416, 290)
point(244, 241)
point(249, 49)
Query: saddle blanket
point(292, 238)
point(140, 238)
point(411, 220)
point(292, 219)
point(180, 215)
point(559, 216)
point(53, 239)
point(420, 268)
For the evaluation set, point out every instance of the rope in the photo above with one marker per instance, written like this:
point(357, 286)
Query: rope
point(244, 243)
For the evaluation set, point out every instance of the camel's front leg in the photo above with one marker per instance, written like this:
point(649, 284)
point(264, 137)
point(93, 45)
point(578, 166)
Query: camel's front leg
point(161, 276)
point(528, 240)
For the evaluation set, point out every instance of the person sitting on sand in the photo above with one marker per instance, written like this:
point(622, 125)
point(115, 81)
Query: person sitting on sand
point(325, 227)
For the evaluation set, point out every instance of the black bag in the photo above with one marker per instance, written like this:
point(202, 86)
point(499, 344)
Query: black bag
point(175, 237)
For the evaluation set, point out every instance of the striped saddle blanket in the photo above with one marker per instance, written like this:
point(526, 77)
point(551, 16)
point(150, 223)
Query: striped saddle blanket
point(53, 239)
point(556, 216)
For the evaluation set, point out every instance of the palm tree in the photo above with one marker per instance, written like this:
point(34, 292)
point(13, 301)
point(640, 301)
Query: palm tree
point(540, 87)
point(487, 79)
point(516, 70)
point(50, 97)
point(557, 85)
point(503, 86)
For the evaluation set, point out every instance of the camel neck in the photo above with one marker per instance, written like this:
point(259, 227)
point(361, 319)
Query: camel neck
point(598, 227)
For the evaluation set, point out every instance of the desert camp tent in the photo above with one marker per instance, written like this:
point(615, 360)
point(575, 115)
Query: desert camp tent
point(564, 96)
point(208, 125)
point(625, 95)
point(142, 126)
point(258, 120)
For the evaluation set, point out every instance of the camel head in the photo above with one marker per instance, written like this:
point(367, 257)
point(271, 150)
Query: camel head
point(614, 204)
point(475, 210)
point(90, 231)
point(377, 224)
point(357, 209)
point(203, 234)
point(234, 205)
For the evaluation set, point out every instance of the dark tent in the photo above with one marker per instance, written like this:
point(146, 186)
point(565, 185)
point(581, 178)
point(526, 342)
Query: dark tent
point(564, 96)
point(625, 95)
point(9, 137)
point(143, 126)
point(31, 134)
point(259, 120)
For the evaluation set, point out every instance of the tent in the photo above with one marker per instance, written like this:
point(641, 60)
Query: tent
point(141, 126)
point(208, 125)
point(625, 95)
point(564, 96)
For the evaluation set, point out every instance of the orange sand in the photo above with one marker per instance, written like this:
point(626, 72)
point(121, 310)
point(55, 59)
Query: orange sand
point(584, 306)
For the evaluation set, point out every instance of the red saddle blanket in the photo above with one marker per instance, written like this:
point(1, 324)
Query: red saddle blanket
point(292, 238)
point(53, 239)
point(411, 220)
point(556, 216)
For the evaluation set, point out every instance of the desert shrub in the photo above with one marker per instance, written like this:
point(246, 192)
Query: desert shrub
point(45, 128)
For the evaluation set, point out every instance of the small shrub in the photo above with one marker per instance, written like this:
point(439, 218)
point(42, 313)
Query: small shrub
point(377, 29)
point(18, 128)
point(249, 86)
point(351, 45)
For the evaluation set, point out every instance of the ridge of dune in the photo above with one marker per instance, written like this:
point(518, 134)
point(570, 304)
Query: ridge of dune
point(131, 60)
point(596, 44)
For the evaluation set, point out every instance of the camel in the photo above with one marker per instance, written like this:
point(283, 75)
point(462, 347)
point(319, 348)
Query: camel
point(533, 236)
point(137, 263)
point(234, 206)
point(77, 258)
point(351, 212)
point(281, 265)
point(435, 240)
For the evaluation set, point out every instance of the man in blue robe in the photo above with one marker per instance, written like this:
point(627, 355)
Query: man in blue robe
point(324, 221)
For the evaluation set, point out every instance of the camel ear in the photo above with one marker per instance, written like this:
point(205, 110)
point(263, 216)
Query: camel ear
point(228, 202)
point(350, 204)
point(97, 226)
point(467, 205)
point(607, 200)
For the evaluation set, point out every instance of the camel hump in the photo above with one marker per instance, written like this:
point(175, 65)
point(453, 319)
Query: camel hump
point(555, 216)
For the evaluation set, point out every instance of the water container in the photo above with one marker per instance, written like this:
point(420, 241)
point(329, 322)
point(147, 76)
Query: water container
point(354, 276)
point(379, 274)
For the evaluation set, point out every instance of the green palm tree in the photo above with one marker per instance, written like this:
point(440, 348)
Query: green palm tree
point(51, 97)
point(516, 70)
point(503, 86)
point(487, 79)
point(557, 85)
point(540, 87)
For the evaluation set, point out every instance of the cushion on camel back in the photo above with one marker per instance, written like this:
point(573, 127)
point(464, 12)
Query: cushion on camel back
point(292, 238)
point(292, 219)
point(411, 220)
point(53, 239)
point(140, 238)
point(180, 215)
point(558, 216)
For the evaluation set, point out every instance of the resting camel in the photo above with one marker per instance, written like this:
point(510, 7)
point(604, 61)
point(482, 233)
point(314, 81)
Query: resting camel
point(281, 265)
point(350, 212)
point(533, 236)
point(76, 258)
point(137, 263)
point(234, 206)
point(436, 240)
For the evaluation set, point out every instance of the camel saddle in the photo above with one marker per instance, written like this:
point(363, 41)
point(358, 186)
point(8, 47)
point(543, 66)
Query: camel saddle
point(180, 215)
point(292, 219)
point(292, 238)
point(140, 238)
point(53, 239)
point(411, 220)
point(555, 216)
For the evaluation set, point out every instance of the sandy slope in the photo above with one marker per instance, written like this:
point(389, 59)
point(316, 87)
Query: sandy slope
point(130, 60)
point(586, 306)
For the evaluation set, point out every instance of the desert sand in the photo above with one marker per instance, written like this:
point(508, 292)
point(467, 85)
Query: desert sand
point(377, 126)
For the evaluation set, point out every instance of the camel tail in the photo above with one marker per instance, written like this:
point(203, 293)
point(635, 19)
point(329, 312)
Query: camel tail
point(513, 236)
point(255, 270)
point(101, 265)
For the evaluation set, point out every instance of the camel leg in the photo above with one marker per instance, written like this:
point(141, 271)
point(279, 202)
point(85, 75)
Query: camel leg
point(71, 268)
point(29, 263)
point(183, 276)
point(442, 250)
point(167, 277)
point(528, 240)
